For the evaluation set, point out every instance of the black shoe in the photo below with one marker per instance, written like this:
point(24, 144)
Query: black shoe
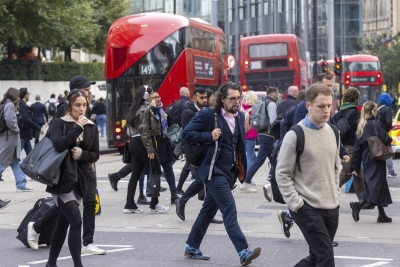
point(335, 244)
point(113, 181)
point(286, 223)
point(142, 200)
point(163, 189)
point(180, 192)
point(1, 180)
point(217, 221)
point(355, 206)
point(368, 206)
point(180, 209)
point(4, 203)
point(384, 219)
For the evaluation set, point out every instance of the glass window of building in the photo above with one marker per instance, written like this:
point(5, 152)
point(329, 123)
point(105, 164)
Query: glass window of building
point(266, 7)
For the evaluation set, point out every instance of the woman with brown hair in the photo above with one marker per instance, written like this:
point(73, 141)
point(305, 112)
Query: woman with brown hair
point(376, 187)
point(79, 135)
point(10, 144)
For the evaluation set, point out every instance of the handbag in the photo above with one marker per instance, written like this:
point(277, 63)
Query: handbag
point(44, 162)
point(174, 134)
point(378, 150)
point(153, 181)
point(126, 155)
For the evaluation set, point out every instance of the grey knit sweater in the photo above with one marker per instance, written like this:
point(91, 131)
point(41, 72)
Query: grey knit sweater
point(318, 182)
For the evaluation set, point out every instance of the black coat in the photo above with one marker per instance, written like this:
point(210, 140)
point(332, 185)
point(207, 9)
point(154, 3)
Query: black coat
point(374, 171)
point(353, 117)
point(385, 117)
point(90, 154)
point(99, 108)
point(290, 101)
point(26, 124)
point(39, 111)
point(188, 114)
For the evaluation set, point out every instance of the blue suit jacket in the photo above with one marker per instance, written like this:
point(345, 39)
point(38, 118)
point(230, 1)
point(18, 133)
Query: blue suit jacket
point(199, 131)
point(39, 110)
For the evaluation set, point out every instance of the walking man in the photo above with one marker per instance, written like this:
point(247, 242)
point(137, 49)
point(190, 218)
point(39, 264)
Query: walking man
point(312, 190)
point(290, 100)
point(39, 112)
point(222, 128)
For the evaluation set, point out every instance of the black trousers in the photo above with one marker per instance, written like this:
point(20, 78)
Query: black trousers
point(319, 228)
point(89, 205)
point(194, 188)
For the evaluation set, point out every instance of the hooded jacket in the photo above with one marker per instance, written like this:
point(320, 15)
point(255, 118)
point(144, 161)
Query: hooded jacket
point(385, 112)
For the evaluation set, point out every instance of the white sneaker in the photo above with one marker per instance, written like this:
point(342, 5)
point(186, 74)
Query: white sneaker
point(268, 192)
point(253, 184)
point(159, 209)
point(247, 188)
point(128, 211)
point(32, 237)
point(92, 250)
point(24, 189)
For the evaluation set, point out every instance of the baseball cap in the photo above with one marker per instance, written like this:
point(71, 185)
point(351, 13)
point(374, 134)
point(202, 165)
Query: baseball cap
point(79, 82)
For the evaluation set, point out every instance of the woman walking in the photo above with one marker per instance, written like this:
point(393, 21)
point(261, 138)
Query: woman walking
point(99, 109)
point(144, 126)
point(80, 137)
point(376, 187)
point(10, 144)
point(250, 98)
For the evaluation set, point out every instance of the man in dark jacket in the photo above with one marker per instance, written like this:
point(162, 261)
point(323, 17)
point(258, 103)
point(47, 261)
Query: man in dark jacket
point(39, 112)
point(290, 100)
point(199, 102)
point(184, 99)
point(26, 124)
point(385, 117)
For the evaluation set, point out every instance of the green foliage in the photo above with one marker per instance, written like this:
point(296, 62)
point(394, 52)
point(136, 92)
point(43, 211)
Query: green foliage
point(59, 71)
point(388, 56)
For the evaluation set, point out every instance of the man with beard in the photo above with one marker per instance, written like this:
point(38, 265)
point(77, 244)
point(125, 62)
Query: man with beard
point(222, 128)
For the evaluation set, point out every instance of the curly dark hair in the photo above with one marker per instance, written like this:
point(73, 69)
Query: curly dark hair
point(351, 94)
point(222, 93)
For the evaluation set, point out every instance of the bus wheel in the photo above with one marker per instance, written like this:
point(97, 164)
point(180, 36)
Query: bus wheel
point(120, 149)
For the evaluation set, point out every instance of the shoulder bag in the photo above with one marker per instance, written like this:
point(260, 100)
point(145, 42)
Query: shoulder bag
point(44, 162)
point(378, 150)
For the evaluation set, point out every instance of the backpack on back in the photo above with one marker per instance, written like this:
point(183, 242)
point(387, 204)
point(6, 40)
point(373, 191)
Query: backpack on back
point(343, 124)
point(174, 112)
point(3, 124)
point(259, 118)
point(52, 109)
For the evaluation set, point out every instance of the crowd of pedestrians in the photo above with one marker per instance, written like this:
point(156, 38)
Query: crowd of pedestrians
point(312, 157)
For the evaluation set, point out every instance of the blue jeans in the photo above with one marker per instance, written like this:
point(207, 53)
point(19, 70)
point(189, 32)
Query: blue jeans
point(20, 179)
point(26, 144)
point(219, 196)
point(250, 152)
point(264, 151)
point(101, 122)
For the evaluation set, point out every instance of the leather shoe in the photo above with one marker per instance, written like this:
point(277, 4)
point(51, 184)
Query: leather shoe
point(163, 189)
point(217, 221)
point(180, 209)
point(384, 219)
point(355, 207)
point(113, 181)
point(142, 200)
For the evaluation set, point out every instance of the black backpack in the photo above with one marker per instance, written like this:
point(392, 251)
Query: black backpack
point(174, 112)
point(3, 124)
point(343, 124)
point(52, 108)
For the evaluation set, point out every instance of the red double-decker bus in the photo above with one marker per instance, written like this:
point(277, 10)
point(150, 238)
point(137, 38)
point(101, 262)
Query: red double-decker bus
point(164, 51)
point(364, 73)
point(277, 60)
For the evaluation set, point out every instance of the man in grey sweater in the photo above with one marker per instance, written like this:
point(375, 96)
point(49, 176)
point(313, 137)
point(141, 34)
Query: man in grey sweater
point(313, 194)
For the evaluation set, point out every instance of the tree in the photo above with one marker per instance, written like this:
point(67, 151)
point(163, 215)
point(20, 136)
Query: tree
point(388, 56)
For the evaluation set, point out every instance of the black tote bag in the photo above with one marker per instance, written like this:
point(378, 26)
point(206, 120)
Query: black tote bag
point(43, 163)
point(153, 181)
point(126, 156)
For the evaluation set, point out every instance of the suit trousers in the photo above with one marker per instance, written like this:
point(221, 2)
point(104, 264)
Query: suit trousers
point(219, 196)
point(319, 228)
point(194, 188)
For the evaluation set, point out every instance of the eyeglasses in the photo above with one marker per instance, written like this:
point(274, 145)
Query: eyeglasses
point(235, 99)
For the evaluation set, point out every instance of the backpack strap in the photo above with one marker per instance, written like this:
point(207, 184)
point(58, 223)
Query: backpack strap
point(336, 131)
point(299, 144)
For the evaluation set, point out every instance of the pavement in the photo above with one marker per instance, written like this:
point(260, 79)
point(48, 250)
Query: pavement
point(159, 239)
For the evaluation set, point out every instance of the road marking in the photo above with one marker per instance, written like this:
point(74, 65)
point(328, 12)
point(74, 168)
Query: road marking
point(376, 264)
point(125, 248)
point(362, 258)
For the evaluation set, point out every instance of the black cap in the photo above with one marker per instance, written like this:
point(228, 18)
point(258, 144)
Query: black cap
point(79, 82)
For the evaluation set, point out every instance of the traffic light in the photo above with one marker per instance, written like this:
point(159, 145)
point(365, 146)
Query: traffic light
point(338, 65)
point(324, 66)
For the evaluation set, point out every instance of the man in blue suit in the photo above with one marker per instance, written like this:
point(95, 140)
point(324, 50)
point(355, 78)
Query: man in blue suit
point(39, 112)
point(222, 130)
